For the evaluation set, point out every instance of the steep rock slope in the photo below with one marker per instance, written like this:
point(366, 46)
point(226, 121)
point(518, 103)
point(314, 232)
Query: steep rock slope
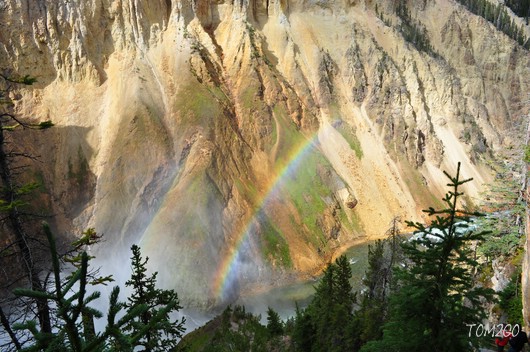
point(245, 142)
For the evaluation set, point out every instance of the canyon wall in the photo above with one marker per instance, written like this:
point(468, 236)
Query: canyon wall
point(245, 143)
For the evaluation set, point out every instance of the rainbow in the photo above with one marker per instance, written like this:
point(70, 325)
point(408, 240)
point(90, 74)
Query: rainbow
point(228, 267)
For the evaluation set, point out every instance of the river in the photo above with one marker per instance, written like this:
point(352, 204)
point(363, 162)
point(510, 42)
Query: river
point(283, 299)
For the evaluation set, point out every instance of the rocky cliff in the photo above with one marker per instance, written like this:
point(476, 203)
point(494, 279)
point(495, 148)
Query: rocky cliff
point(243, 142)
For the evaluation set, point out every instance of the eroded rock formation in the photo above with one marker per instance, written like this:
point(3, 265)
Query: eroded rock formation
point(240, 141)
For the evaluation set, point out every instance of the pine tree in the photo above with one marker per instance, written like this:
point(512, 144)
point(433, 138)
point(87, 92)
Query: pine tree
point(344, 290)
point(373, 280)
point(438, 295)
point(321, 309)
point(304, 330)
point(274, 323)
point(327, 323)
point(372, 310)
point(74, 330)
point(342, 318)
point(164, 335)
point(379, 281)
point(235, 330)
point(72, 300)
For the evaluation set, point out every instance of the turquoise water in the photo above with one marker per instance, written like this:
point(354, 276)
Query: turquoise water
point(283, 299)
point(358, 255)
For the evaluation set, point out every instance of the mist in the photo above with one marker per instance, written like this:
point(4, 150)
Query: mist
point(283, 299)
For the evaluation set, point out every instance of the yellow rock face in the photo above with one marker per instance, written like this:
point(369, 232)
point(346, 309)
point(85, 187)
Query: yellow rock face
point(231, 138)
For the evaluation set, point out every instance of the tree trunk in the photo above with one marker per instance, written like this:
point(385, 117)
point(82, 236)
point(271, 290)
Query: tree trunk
point(9, 196)
point(7, 327)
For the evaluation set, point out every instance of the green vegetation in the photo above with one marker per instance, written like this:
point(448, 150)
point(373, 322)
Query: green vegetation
point(40, 183)
point(438, 293)
point(156, 336)
point(288, 134)
point(21, 247)
point(349, 135)
point(248, 97)
point(195, 220)
point(142, 321)
point(379, 282)
point(247, 188)
point(351, 222)
point(328, 323)
point(413, 31)
point(80, 172)
point(199, 104)
point(417, 293)
point(275, 247)
point(520, 7)
point(274, 323)
point(203, 190)
point(497, 14)
point(254, 52)
point(307, 191)
point(234, 330)
point(325, 325)
point(526, 157)
point(417, 185)
point(507, 209)
point(501, 241)
point(510, 300)
point(429, 284)
point(273, 137)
